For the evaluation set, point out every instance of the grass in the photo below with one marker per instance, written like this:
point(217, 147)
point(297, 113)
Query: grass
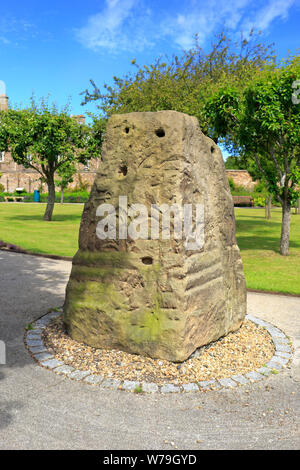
point(23, 225)
point(258, 239)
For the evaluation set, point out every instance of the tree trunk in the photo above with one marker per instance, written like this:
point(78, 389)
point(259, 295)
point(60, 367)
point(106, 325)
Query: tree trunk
point(298, 211)
point(51, 198)
point(266, 208)
point(285, 228)
point(269, 207)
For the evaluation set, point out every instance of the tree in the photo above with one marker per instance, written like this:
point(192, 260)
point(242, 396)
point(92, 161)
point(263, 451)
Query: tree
point(182, 83)
point(49, 141)
point(65, 177)
point(235, 163)
point(261, 122)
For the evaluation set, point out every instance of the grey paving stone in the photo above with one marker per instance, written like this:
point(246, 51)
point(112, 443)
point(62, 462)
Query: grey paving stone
point(274, 365)
point(283, 354)
point(206, 383)
point(190, 387)
point(275, 332)
point(228, 382)
point(43, 356)
point(169, 388)
point(130, 385)
point(42, 322)
point(52, 315)
point(264, 371)
point(250, 317)
point(38, 349)
point(281, 360)
point(258, 321)
point(281, 341)
point(241, 379)
point(64, 369)
point(110, 384)
point(283, 348)
point(94, 379)
point(34, 333)
point(52, 363)
point(215, 385)
point(254, 375)
point(79, 374)
point(34, 342)
point(150, 387)
point(39, 324)
point(33, 338)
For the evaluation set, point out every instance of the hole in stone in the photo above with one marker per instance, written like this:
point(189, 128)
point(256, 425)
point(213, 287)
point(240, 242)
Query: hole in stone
point(123, 170)
point(127, 130)
point(160, 132)
point(212, 149)
point(147, 260)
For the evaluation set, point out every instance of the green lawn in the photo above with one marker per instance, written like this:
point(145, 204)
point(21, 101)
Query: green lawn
point(23, 225)
point(258, 239)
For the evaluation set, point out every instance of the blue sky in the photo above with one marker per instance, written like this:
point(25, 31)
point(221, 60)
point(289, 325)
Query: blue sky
point(57, 46)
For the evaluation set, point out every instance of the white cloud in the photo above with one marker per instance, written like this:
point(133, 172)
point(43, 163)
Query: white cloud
point(116, 27)
point(132, 25)
point(263, 18)
point(4, 40)
point(204, 19)
point(13, 30)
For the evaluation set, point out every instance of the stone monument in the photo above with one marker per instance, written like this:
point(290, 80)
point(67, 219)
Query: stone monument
point(136, 284)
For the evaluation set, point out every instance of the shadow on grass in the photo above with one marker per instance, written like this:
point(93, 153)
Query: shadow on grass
point(39, 218)
point(251, 242)
point(260, 234)
point(259, 221)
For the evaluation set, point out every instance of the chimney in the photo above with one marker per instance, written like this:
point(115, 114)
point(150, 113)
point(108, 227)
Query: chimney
point(3, 103)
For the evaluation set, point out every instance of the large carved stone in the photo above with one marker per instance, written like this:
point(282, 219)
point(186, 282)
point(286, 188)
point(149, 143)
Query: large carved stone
point(155, 297)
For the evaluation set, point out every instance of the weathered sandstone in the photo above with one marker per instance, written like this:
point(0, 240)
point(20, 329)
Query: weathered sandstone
point(155, 297)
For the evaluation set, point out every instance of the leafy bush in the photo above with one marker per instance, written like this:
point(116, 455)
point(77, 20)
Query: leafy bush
point(260, 188)
point(231, 184)
point(29, 198)
point(259, 201)
point(241, 191)
point(69, 196)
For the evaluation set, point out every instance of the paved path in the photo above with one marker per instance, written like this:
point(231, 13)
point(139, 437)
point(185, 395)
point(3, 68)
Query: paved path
point(41, 410)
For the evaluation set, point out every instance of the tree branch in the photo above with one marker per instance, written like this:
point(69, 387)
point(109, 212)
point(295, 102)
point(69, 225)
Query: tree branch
point(36, 169)
point(276, 163)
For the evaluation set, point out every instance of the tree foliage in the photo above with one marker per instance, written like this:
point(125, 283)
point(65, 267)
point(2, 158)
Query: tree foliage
point(182, 83)
point(49, 141)
point(261, 123)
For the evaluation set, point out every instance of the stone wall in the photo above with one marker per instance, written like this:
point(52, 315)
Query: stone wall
point(16, 176)
point(241, 178)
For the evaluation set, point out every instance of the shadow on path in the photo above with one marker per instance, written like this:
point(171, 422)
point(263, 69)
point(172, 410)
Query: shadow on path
point(30, 287)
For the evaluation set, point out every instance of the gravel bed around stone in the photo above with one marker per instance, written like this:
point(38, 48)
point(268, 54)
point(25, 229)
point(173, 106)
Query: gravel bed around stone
point(238, 353)
point(255, 351)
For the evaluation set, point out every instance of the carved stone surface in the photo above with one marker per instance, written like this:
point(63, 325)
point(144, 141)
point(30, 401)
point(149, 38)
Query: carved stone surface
point(155, 297)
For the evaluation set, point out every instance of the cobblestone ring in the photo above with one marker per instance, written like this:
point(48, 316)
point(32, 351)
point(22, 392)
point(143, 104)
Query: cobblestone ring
point(34, 343)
